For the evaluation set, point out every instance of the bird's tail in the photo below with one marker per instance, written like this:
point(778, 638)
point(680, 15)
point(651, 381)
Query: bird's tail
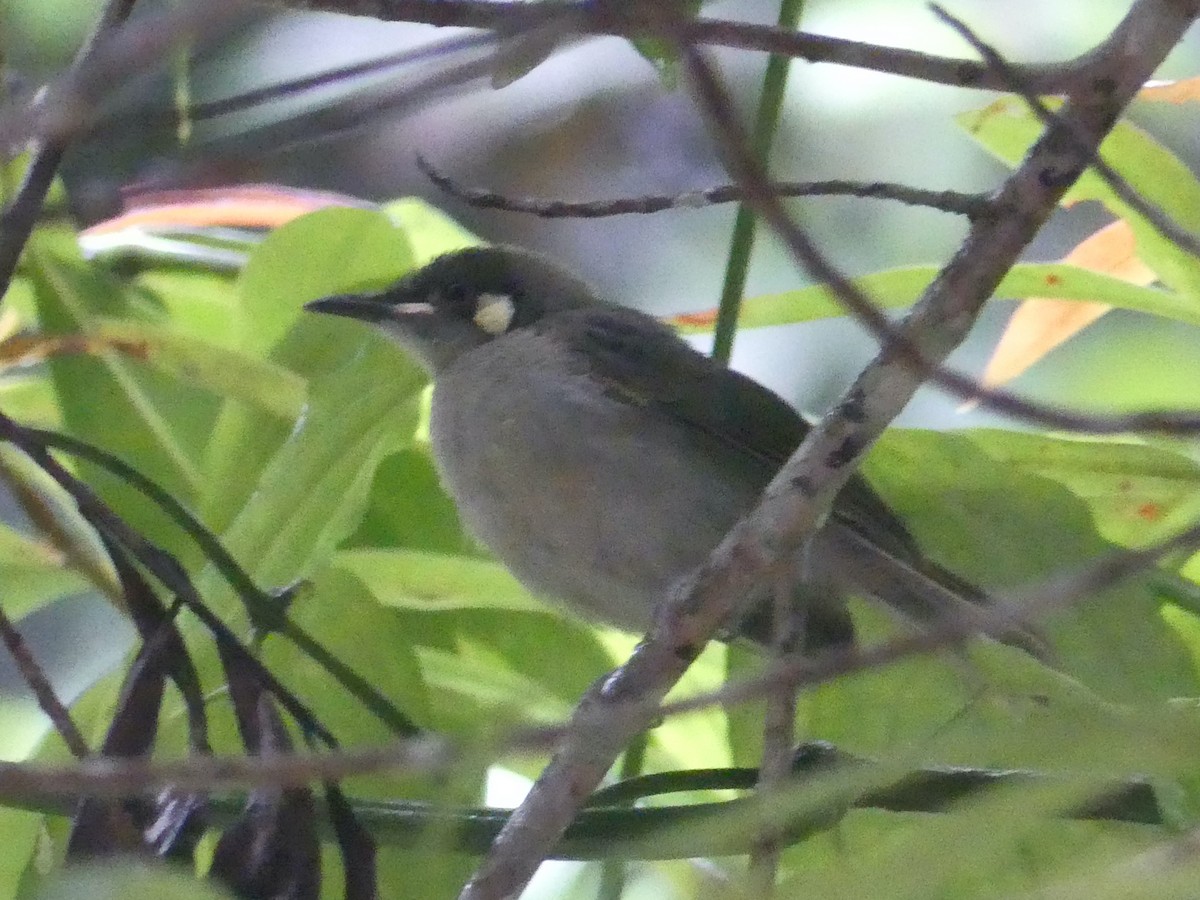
point(927, 594)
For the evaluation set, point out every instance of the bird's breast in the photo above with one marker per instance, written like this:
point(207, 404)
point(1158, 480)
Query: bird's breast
point(587, 499)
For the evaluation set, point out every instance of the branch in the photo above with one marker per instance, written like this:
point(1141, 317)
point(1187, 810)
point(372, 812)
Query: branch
point(1004, 615)
point(625, 702)
point(991, 248)
point(1155, 215)
point(643, 831)
point(39, 684)
point(634, 20)
point(18, 219)
point(969, 205)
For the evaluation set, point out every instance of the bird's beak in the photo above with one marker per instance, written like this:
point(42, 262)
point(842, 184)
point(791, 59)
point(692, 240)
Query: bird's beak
point(367, 307)
point(433, 340)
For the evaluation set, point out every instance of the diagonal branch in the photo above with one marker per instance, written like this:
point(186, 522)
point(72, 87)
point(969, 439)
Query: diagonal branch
point(18, 219)
point(625, 702)
point(1154, 214)
point(38, 682)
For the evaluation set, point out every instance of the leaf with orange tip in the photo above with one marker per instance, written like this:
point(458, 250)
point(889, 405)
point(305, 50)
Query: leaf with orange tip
point(1039, 325)
point(245, 206)
point(901, 287)
point(264, 386)
point(1006, 128)
point(1186, 90)
point(697, 321)
point(210, 227)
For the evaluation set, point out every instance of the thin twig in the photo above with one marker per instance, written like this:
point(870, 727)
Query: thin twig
point(642, 20)
point(1154, 214)
point(955, 202)
point(1028, 197)
point(36, 679)
point(779, 726)
point(19, 217)
point(133, 777)
point(350, 115)
point(601, 831)
point(293, 87)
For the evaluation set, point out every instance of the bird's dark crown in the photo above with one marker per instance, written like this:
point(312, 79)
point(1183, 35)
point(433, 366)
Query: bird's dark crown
point(461, 284)
point(464, 299)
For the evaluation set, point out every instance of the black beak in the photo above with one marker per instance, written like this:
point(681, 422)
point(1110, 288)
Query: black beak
point(366, 307)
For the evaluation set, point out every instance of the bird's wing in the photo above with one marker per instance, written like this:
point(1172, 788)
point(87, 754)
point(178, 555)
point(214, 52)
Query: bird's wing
point(643, 362)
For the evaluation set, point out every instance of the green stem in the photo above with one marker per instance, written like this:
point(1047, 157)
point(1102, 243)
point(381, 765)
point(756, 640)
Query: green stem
point(718, 828)
point(766, 123)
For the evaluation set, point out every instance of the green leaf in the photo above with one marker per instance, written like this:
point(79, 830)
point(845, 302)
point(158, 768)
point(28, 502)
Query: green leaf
point(31, 400)
point(333, 250)
point(312, 492)
point(430, 231)
point(881, 711)
point(129, 881)
point(227, 373)
point(1005, 528)
point(1006, 128)
point(664, 54)
point(459, 648)
point(372, 639)
point(21, 831)
point(492, 688)
point(897, 288)
point(1187, 626)
point(407, 508)
point(198, 303)
point(33, 573)
point(272, 295)
point(76, 550)
point(1137, 494)
point(416, 579)
point(140, 415)
point(23, 726)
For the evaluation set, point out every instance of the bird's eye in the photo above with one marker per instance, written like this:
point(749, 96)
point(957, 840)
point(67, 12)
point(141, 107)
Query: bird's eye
point(494, 312)
point(456, 294)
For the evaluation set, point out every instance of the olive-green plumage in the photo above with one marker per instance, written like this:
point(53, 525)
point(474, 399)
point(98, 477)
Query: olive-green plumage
point(601, 458)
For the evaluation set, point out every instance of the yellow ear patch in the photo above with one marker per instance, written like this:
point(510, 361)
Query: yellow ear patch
point(494, 312)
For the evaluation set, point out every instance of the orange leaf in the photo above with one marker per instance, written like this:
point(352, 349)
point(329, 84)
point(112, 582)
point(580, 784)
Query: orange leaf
point(1040, 325)
point(29, 349)
point(1186, 90)
point(704, 319)
point(247, 206)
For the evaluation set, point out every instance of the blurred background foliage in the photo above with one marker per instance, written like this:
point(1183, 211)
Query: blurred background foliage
point(398, 588)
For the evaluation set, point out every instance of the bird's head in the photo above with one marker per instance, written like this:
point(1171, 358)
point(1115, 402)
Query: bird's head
point(462, 300)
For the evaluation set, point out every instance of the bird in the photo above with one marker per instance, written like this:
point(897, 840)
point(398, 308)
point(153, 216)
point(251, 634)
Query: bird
point(602, 458)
